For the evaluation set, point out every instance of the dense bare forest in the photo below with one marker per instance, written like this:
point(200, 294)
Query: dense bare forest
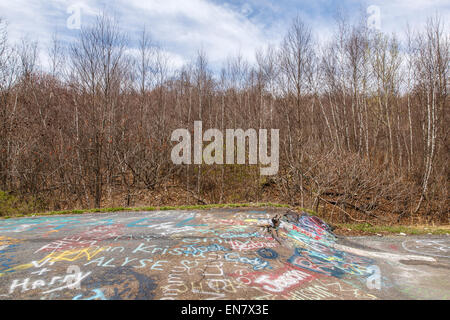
point(363, 122)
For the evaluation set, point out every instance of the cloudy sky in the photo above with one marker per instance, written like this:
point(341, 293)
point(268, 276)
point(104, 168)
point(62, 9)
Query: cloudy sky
point(220, 27)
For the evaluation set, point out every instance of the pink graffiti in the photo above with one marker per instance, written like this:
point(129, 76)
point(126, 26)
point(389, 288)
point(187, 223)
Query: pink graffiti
point(250, 245)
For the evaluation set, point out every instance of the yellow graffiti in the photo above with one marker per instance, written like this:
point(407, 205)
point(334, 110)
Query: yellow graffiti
point(68, 255)
point(7, 241)
point(48, 233)
point(73, 255)
point(19, 267)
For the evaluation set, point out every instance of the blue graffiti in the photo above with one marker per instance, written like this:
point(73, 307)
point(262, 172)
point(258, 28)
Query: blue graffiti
point(98, 294)
point(7, 262)
point(333, 262)
point(49, 223)
point(197, 251)
point(230, 235)
point(139, 222)
point(184, 223)
point(267, 253)
point(257, 263)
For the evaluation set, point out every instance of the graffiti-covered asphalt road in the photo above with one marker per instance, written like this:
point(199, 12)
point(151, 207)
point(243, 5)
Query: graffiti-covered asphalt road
point(262, 253)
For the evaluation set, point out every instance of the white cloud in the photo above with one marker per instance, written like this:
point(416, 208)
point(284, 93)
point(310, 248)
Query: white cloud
point(396, 14)
point(38, 21)
point(195, 24)
point(220, 28)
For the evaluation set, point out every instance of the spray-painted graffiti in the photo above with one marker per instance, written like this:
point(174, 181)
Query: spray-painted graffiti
point(173, 255)
point(267, 253)
point(279, 282)
point(86, 239)
point(436, 248)
point(321, 289)
point(122, 283)
point(251, 245)
point(97, 295)
point(57, 283)
point(257, 263)
point(332, 263)
point(198, 251)
point(8, 249)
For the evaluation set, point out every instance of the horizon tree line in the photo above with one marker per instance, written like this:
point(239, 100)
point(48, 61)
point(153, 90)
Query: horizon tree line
point(363, 120)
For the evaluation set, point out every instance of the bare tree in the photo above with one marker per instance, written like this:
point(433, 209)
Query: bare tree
point(432, 65)
point(97, 60)
point(363, 127)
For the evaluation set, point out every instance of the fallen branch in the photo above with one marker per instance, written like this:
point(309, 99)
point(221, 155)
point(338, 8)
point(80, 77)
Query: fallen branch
point(194, 194)
point(348, 214)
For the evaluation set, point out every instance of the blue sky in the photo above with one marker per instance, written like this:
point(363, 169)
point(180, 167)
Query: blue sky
point(220, 27)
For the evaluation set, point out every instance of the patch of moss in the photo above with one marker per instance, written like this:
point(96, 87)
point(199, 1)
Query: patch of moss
point(163, 208)
point(11, 205)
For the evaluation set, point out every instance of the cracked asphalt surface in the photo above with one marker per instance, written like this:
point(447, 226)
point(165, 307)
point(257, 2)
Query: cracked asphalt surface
point(251, 253)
